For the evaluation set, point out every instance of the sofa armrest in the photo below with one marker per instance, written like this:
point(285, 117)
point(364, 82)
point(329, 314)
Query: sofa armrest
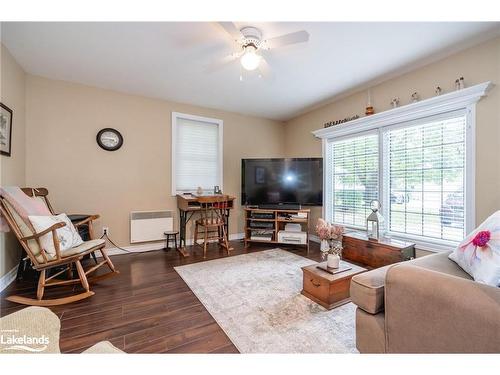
point(432, 312)
point(367, 290)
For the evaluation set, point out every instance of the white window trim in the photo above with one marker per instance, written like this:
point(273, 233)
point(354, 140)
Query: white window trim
point(328, 193)
point(464, 99)
point(220, 126)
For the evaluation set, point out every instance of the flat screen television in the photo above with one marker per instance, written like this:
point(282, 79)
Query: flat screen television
point(282, 181)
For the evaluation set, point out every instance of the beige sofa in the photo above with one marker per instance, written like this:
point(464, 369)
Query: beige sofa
point(36, 330)
point(427, 305)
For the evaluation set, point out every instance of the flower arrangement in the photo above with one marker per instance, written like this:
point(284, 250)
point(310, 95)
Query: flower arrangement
point(330, 236)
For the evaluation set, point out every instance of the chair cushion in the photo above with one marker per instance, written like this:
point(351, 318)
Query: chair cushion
point(87, 245)
point(367, 290)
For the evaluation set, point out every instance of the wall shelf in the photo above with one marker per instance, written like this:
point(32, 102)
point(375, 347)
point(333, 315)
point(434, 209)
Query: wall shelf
point(438, 104)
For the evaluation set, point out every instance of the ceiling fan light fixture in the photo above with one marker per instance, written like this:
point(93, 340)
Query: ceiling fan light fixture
point(250, 59)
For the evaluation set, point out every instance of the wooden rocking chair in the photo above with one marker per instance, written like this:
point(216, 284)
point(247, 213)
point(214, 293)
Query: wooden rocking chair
point(212, 222)
point(43, 261)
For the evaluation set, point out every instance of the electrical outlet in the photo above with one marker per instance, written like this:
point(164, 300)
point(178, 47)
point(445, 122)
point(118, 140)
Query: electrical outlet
point(105, 230)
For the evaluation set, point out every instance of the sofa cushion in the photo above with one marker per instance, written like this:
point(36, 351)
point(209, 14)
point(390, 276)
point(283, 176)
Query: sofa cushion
point(441, 263)
point(479, 253)
point(367, 290)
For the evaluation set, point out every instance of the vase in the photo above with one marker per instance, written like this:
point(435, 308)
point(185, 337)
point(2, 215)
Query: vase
point(333, 261)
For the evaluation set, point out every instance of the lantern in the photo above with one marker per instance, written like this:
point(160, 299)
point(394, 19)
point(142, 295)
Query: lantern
point(374, 221)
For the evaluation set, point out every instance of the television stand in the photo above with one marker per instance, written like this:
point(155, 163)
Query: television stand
point(280, 206)
point(263, 226)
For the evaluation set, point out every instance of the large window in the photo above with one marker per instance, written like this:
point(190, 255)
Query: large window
point(196, 153)
point(416, 169)
point(425, 178)
point(425, 167)
point(354, 178)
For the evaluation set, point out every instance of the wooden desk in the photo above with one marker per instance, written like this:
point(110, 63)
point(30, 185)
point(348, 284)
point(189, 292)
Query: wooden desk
point(374, 254)
point(188, 204)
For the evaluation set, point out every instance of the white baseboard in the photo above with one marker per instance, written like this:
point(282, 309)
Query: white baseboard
point(8, 278)
point(155, 246)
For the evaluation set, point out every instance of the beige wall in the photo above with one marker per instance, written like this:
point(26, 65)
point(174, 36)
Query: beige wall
point(62, 154)
point(476, 65)
point(12, 169)
point(62, 120)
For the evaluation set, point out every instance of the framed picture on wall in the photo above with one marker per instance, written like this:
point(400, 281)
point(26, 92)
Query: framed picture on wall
point(5, 129)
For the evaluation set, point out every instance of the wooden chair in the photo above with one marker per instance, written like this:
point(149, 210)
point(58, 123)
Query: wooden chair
point(85, 222)
point(212, 221)
point(43, 261)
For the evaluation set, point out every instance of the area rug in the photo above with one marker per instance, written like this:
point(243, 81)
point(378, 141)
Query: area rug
point(256, 300)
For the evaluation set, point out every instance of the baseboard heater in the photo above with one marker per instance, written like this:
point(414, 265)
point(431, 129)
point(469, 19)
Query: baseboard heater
point(146, 226)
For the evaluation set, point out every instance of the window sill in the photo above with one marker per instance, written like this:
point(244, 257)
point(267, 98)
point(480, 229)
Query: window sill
point(427, 245)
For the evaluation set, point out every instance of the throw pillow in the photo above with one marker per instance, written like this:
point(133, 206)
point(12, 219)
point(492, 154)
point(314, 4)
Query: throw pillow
point(67, 235)
point(479, 253)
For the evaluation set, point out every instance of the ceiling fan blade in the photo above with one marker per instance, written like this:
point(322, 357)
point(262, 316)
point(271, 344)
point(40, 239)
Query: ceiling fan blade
point(284, 40)
point(232, 30)
point(265, 69)
point(219, 64)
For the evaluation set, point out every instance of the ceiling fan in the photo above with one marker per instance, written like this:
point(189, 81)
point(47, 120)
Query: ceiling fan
point(250, 45)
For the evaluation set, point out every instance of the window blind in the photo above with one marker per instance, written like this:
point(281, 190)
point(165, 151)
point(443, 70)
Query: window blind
point(424, 181)
point(196, 155)
point(354, 178)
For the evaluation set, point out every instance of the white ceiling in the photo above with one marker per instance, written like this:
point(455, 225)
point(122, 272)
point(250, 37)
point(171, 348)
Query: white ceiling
point(168, 60)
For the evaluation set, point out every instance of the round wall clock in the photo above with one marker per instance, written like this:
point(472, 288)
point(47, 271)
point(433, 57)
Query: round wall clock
point(109, 139)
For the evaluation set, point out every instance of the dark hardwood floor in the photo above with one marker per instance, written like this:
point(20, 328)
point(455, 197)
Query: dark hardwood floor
point(146, 309)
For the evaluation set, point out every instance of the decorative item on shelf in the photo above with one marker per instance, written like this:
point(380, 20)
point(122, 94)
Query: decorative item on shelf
point(395, 102)
point(415, 97)
point(460, 83)
point(369, 108)
point(374, 221)
point(338, 122)
point(199, 191)
point(331, 242)
point(438, 90)
point(217, 189)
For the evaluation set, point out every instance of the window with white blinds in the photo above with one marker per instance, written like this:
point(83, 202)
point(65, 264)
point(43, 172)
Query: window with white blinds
point(354, 178)
point(424, 178)
point(196, 153)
